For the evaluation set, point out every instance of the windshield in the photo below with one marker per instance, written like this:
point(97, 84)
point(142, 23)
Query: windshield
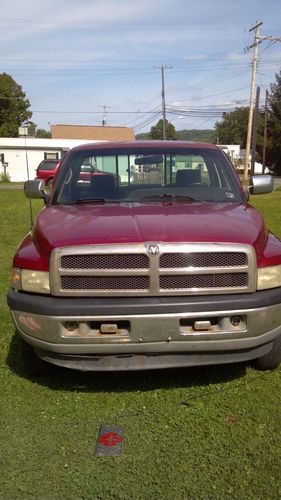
point(139, 176)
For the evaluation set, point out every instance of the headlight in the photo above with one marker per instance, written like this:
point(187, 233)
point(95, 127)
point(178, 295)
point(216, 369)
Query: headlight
point(269, 277)
point(31, 281)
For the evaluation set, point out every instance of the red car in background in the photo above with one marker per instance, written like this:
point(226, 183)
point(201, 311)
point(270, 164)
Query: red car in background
point(47, 170)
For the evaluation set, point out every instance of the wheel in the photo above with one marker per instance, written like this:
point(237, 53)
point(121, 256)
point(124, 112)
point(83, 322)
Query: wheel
point(32, 364)
point(49, 184)
point(271, 360)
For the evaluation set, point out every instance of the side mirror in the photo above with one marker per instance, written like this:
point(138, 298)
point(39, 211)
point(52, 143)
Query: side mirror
point(261, 184)
point(35, 189)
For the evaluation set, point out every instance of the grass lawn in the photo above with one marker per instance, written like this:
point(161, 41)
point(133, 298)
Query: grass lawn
point(191, 433)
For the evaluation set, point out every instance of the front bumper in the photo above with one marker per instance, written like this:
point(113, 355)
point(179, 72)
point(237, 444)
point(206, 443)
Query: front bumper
point(150, 332)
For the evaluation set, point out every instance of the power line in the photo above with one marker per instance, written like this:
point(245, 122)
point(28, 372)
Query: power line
point(148, 122)
point(193, 62)
point(138, 119)
point(219, 93)
point(90, 112)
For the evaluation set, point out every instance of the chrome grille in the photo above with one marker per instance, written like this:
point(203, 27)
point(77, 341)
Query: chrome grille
point(230, 280)
point(104, 282)
point(174, 269)
point(206, 259)
point(107, 261)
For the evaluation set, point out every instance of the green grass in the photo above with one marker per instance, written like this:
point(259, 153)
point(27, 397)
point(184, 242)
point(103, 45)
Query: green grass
point(192, 433)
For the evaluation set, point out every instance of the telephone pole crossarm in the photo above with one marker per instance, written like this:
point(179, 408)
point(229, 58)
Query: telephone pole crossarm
point(256, 26)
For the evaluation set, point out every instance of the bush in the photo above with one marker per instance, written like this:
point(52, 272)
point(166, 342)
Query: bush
point(5, 178)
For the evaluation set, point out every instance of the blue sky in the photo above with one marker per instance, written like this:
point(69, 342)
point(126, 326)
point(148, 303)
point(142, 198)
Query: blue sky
point(71, 58)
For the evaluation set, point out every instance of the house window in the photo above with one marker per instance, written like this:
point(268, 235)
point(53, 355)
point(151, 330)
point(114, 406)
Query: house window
point(51, 155)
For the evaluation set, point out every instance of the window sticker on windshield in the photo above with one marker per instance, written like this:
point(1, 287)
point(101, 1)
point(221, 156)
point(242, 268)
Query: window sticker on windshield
point(229, 195)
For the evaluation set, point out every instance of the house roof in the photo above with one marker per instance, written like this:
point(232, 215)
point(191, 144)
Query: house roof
point(88, 132)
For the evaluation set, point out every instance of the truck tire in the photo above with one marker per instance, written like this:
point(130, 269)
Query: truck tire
point(271, 360)
point(32, 364)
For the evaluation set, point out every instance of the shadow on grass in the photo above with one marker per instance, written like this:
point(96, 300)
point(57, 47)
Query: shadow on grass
point(62, 379)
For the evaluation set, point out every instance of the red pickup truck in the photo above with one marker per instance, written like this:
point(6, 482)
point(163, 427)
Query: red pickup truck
point(159, 262)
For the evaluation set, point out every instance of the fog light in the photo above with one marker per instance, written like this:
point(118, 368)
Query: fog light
point(71, 326)
point(235, 320)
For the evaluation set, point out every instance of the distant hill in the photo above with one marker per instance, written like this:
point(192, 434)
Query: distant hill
point(187, 135)
point(196, 135)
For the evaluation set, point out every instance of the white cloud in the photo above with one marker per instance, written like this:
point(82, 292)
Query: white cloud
point(199, 57)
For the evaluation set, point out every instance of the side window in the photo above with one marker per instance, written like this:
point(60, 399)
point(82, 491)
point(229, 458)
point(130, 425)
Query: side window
point(106, 164)
point(125, 171)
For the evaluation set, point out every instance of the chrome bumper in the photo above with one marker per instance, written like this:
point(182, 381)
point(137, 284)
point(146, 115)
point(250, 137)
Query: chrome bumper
point(151, 333)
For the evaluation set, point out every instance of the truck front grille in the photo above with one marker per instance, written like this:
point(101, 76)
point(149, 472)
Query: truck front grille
point(206, 259)
point(106, 261)
point(230, 280)
point(153, 269)
point(104, 282)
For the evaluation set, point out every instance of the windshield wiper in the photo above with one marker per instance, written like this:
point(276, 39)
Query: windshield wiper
point(88, 200)
point(169, 197)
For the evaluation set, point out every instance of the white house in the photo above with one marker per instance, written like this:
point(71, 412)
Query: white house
point(20, 156)
point(232, 150)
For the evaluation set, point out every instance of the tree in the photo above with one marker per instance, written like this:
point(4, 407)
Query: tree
point(205, 135)
point(13, 106)
point(43, 134)
point(273, 152)
point(156, 132)
point(233, 128)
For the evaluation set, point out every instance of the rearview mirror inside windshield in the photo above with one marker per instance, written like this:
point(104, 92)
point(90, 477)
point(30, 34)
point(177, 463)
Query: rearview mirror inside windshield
point(148, 160)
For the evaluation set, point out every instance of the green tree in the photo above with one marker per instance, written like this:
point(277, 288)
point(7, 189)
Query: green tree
point(43, 134)
point(233, 127)
point(156, 132)
point(206, 135)
point(273, 153)
point(13, 106)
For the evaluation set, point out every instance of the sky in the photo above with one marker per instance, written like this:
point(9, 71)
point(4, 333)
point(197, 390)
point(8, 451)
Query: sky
point(76, 59)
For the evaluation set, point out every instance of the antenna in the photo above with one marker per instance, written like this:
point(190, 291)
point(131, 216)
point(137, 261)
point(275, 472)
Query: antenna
point(28, 177)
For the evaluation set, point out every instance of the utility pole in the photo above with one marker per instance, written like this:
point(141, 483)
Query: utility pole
point(265, 132)
point(251, 108)
point(104, 107)
point(254, 138)
point(163, 67)
point(258, 40)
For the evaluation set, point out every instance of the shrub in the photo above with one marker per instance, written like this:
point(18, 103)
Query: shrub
point(5, 178)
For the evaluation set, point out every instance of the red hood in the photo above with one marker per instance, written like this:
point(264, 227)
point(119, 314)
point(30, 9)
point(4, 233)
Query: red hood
point(65, 225)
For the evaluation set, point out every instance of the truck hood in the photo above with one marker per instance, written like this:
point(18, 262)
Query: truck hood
point(67, 225)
